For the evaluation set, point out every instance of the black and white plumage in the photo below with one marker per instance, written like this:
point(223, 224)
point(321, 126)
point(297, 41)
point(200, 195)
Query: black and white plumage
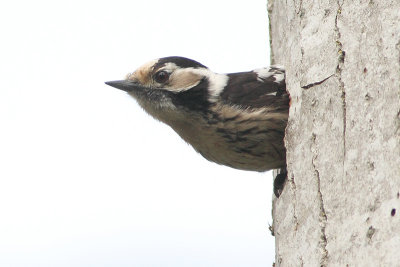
point(235, 119)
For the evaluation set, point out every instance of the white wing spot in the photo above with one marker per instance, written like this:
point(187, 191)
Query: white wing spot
point(272, 93)
point(277, 72)
point(279, 77)
point(263, 73)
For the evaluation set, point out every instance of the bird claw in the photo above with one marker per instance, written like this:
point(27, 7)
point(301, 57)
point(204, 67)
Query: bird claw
point(279, 182)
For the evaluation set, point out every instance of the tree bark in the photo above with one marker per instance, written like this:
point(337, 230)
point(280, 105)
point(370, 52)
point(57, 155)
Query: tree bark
point(341, 202)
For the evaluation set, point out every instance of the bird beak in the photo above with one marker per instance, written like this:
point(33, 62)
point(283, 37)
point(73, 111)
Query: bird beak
point(125, 85)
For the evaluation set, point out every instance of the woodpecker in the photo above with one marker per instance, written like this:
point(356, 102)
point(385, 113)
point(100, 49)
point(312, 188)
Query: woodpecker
point(235, 119)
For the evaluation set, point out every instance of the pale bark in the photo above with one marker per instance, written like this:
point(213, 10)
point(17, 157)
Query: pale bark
point(341, 203)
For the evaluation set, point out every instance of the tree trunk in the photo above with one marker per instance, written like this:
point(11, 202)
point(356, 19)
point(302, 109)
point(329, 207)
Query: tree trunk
point(341, 202)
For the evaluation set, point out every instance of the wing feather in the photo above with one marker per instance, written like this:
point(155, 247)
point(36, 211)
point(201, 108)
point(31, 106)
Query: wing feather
point(257, 89)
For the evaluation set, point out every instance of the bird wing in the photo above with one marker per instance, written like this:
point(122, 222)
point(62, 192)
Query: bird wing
point(257, 89)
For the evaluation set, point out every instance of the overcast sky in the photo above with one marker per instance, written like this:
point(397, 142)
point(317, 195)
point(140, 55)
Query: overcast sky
point(86, 177)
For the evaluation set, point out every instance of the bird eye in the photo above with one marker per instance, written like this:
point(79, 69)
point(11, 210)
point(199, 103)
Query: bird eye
point(161, 76)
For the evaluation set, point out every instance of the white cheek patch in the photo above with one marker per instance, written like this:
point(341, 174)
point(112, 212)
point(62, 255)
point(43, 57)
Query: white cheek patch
point(182, 80)
point(187, 78)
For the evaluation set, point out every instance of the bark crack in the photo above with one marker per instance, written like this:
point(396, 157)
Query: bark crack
point(323, 219)
point(293, 187)
point(341, 56)
point(270, 7)
point(398, 95)
point(316, 83)
point(301, 261)
point(300, 10)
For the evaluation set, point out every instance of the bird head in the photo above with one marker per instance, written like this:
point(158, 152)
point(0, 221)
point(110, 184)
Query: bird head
point(163, 82)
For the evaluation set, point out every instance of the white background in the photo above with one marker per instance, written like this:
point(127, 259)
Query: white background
point(86, 177)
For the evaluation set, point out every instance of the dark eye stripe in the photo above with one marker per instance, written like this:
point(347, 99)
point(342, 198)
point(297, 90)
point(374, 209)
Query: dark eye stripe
point(195, 99)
